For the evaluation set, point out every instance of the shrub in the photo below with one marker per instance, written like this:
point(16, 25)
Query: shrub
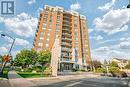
point(100, 70)
point(114, 69)
point(48, 71)
point(83, 70)
point(38, 68)
point(28, 69)
point(74, 70)
point(18, 69)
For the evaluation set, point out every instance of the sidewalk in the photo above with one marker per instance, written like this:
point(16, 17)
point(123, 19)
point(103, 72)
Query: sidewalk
point(16, 80)
point(4, 83)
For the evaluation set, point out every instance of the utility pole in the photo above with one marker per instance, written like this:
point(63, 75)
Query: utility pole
point(7, 57)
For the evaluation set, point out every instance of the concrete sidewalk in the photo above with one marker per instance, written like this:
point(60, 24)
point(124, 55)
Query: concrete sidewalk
point(16, 80)
point(4, 83)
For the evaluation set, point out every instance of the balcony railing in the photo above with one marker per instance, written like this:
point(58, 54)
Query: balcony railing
point(63, 43)
point(66, 31)
point(66, 49)
point(67, 39)
point(66, 45)
point(66, 60)
point(66, 21)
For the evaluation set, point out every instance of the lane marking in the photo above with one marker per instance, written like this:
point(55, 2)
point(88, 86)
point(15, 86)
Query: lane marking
point(72, 84)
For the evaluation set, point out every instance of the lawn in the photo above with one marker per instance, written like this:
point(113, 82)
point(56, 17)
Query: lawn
point(31, 75)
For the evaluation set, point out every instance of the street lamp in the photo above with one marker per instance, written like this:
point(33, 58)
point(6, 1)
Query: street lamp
point(9, 53)
point(128, 4)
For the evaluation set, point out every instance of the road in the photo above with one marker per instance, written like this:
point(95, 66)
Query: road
point(83, 82)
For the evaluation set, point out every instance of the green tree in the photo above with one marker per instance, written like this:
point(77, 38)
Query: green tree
point(113, 64)
point(44, 57)
point(96, 64)
point(1, 58)
point(114, 69)
point(26, 58)
point(128, 65)
point(33, 55)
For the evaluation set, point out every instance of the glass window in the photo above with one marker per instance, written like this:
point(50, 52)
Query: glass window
point(44, 25)
point(49, 29)
point(42, 34)
point(75, 25)
point(40, 44)
point(47, 45)
point(40, 40)
point(48, 34)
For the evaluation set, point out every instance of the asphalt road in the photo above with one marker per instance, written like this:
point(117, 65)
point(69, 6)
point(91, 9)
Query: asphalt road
point(84, 82)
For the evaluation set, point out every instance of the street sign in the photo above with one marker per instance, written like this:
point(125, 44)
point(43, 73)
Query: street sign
point(6, 58)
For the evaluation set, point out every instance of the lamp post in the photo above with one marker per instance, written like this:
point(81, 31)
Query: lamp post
point(6, 59)
point(128, 4)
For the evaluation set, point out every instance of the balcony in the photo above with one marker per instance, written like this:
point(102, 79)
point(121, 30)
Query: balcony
point(67, 40)
point(66, 34)
point(67, 31)
point(69, 45)
point(66, 21)
point(66, 60)
point(68, 27)
point(63, 49)
point(67, 18)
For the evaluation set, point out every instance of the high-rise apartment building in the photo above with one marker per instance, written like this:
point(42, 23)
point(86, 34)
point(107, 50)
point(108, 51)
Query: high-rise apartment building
point(71, 29)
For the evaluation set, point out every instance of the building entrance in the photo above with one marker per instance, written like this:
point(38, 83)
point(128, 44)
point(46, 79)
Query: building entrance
point(66, 67)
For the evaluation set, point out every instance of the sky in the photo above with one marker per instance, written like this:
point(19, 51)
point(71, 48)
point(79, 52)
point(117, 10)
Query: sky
point(108, 25)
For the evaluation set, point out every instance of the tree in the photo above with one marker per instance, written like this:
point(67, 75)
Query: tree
point(128, 65)
point(113, 64)
point(26, 58)
point(1, 58)
point(96, 64)
point(33, 55)
point(44, 57)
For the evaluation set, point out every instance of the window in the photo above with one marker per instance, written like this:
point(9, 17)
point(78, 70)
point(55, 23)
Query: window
point(42, 34)
point(51, 18)
point(57, 24)
point(75, 25)
point(76, 34)
point(47, 45)
point(44, 25)
point(48, 34)
point(40, 40)
point(40, 44)
point(49, 29)
point(76, 39)
point(57, 21)
point(47, 39)
point(58, 17)
point(50, 25)
point(76, 44)
point(57, 29)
